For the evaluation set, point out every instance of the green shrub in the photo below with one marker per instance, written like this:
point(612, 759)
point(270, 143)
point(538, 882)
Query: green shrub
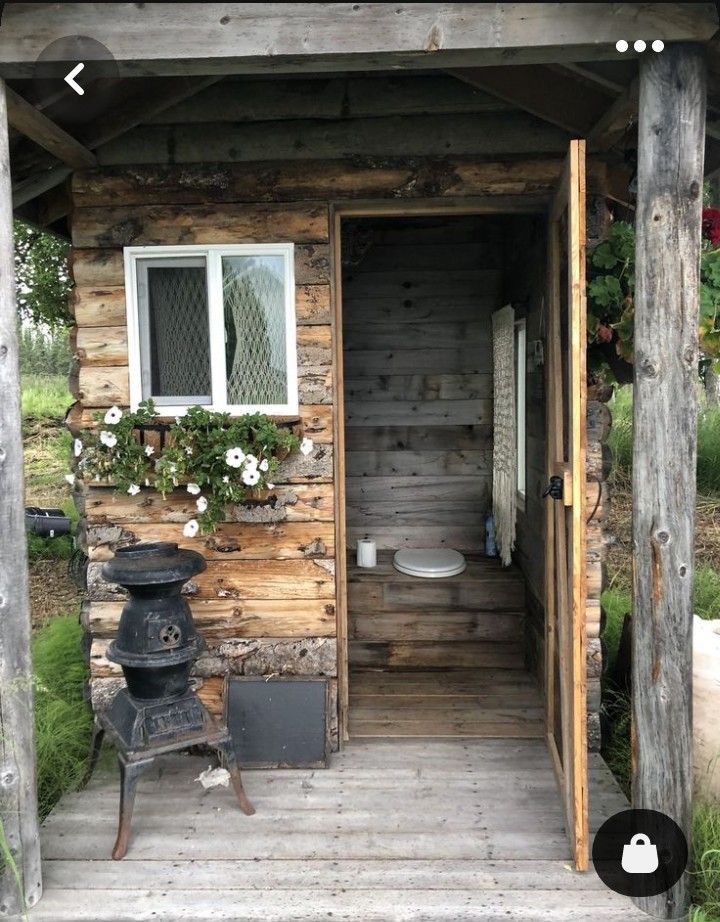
point(63, 720)
point(707, 592)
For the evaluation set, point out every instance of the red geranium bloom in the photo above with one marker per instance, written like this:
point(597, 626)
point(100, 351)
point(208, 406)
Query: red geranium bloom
point(711, 225)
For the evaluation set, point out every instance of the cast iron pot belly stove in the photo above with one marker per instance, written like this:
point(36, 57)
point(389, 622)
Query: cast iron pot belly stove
point(156, 645)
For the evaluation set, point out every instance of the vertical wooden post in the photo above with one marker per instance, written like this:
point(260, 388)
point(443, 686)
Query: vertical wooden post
point(669, 201)
point(18, 798)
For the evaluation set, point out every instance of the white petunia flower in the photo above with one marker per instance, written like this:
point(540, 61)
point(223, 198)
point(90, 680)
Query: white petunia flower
point(149, 450)
point(108, 439)
point(234, 457)
point(113, 416)
point(250, 476)
point(251, 461)
point(226, 479)
point(77, 448)
point(271, 486)
point(133, 489)
point(306, 446)
point(147, 482)
point(264, 465)
point(70, 478)
point(188, 451)
point(201, 503)
point(173, 468)
point(191, 528)
point(193, 489)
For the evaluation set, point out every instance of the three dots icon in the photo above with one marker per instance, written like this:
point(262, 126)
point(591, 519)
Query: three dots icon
point(639, 45)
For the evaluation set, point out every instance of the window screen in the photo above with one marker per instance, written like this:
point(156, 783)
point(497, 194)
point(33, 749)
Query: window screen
point(175, 331)
point(255, 329)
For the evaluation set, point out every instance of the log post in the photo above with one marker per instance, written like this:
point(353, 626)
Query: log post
point(20, 883)
point(669, 201)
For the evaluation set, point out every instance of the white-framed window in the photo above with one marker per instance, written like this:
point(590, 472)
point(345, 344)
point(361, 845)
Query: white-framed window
point(212, 325)
point(520, 404)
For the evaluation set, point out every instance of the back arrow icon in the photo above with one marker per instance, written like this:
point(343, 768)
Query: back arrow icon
point(70, 79)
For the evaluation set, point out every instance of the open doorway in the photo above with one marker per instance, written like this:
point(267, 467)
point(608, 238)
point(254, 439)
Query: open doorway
point(459, 655)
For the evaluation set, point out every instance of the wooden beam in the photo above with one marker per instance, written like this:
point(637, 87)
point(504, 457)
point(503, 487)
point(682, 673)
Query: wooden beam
point(139, 107)
point(18, 801)
point(543, 92)
point(294, 37)
point(669, 202)
point(616, 120)
point(30, 122)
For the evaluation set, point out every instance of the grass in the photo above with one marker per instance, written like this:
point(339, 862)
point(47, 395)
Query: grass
point(45, 396)
point(706, 871)
point(63, 721)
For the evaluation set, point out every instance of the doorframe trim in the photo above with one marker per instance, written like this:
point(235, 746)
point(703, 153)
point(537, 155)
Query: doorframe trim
point(338, 211)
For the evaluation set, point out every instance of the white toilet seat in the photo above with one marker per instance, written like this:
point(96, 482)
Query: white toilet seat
point(429, 562)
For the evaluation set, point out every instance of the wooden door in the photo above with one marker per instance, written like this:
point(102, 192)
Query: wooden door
point(566, 685)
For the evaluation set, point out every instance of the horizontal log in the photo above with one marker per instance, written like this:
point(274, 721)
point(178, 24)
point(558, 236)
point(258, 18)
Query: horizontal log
point(211, 691)
point(419, 387)
point(469, 134)
point(231, 541)
point(315, 385)
point(103, 386)
point(436, 655)
point(105, 307)
point(599, 421)
point(418, 438)
point(99, 307)
point(221, 620)
point(101, 345)
point(252, 656)
point(418, 413)
point(330, 97)
point(465, 538)
point(442, 626)
point(251, 579)
point(103, 268)
point(314, 346)
point(296, 503)
point(170, 224)
point(418, 463)
point(315, 419)
point(288, 180)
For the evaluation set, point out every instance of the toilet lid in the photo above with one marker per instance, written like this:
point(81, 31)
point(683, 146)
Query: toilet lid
point(432, 562)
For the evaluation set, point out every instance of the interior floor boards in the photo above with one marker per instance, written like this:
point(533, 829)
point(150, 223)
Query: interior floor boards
point(479, 703)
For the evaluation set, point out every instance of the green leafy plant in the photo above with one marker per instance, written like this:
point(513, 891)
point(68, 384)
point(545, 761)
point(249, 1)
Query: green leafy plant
point(220, 460)
point(611, 296)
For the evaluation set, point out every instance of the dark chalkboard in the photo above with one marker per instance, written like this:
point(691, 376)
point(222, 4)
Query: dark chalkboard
point(277, 722)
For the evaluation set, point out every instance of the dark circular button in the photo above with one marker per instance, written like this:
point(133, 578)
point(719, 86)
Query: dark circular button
point(98, 79)
point(640, 853)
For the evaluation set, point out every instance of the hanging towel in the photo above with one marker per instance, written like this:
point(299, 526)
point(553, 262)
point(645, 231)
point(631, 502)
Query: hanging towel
point(505, 436)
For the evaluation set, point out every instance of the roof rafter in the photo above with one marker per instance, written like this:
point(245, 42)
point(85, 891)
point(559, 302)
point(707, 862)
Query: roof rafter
point(31, 122)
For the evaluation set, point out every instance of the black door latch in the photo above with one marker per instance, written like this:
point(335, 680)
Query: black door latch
point(555, 487)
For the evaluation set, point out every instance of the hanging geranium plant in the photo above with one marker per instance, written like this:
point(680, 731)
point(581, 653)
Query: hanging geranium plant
point(611, 296)
point(219, 460)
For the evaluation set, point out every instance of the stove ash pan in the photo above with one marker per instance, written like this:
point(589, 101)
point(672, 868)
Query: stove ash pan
point(157, 641)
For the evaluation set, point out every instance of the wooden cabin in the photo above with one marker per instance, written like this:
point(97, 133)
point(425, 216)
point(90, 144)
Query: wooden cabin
point(414, 170)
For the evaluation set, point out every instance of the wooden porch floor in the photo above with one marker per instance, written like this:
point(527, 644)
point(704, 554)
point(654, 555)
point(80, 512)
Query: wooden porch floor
point(394, 830)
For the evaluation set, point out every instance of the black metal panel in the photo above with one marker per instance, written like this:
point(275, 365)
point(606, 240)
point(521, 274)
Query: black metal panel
point(277, 722)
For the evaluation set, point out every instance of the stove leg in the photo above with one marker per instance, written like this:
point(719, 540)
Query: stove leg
point(129, 775)
point(227, 752)
point(95, 747)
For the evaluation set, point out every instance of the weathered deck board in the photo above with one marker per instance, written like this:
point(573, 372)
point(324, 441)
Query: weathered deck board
point(393, 831)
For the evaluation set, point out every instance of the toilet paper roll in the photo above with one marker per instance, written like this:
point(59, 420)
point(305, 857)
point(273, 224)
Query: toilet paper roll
point(366, 553)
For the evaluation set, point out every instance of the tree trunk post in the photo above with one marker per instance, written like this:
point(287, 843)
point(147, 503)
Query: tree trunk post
point(669, 202)
point(20, 883)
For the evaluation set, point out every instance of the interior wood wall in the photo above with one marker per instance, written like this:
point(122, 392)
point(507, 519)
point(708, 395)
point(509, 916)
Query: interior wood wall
point(418, 294)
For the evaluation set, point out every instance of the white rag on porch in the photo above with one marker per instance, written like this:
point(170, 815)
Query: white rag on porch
point(504, 434)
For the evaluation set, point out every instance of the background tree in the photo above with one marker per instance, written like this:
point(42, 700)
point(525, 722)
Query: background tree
point(42, 277)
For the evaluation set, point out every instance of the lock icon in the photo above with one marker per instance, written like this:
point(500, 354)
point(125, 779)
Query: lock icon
point(640, 856)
